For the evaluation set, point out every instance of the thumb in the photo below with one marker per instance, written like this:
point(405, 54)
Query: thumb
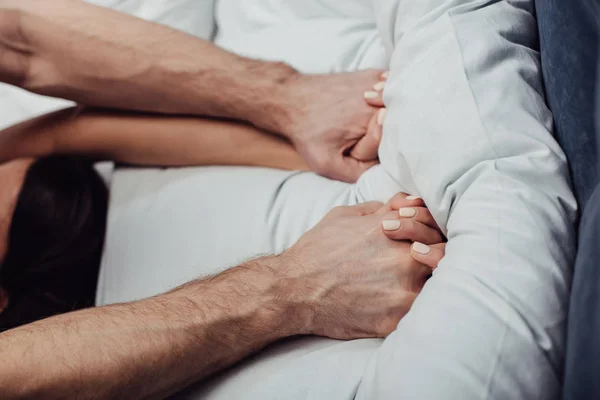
point(366, 149)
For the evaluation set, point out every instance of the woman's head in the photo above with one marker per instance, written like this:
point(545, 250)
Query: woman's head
point(12, 175)
point(54, 240)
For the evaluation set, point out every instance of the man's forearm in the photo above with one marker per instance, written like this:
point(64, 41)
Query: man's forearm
point(152, 348)
point(104, 58)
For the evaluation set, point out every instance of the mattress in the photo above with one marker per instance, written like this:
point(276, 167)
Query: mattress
point(467, 129)
point(182, 248)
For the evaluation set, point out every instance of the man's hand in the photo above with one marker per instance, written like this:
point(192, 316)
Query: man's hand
point(118, 61)
point(327, 116)
point(344, 279)
point(13, 50)
point(348, 279)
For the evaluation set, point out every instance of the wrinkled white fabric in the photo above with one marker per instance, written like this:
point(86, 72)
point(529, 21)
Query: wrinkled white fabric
point(17, 105)
point(313, 36)
point(195, 17)
point(466, 129)
point(469, 132)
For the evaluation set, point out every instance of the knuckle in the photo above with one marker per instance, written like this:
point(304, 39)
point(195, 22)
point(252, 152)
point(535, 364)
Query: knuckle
point(349, 176)
point(385, 327)
point(320, 166)
point(404, 299)
point(320, 163)
point(368, 208)
point(400, 304)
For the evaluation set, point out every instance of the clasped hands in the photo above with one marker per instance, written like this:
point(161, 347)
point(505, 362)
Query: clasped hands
point(386, 252)
point(335, 121)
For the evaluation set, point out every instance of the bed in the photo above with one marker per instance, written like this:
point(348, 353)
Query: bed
point(162, 233)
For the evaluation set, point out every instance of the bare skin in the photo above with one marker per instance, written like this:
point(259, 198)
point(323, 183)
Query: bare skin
point(132, 138)
point(155, 347)
point(147, 139)
point(118, 61)
point(180, 337)
point(344, 279)
point(144, 139)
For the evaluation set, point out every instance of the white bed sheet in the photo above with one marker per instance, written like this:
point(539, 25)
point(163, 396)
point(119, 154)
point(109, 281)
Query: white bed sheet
point(490, 322)
point(17, 105)
point(167, 227)
point(195, 17)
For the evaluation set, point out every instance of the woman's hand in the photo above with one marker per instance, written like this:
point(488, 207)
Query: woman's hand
point(366, 149)
point(407, 218)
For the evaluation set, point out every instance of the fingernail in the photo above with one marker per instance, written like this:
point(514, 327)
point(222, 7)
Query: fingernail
point(385, 75)
point(379, 86)
point(407, 212)
point(391, 225)
point(371, 95)
point(412, 198)
point(421, 248)
point(381, 116)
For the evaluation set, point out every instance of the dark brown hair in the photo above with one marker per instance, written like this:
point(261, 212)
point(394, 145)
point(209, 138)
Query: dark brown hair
point(55, 241)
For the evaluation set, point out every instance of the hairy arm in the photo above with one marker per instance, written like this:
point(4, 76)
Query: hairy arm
point(152, 348)
point(148, 349)
point(101, 57)
point(143, 139)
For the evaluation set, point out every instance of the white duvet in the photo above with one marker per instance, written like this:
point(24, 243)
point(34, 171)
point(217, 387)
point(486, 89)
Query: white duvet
point(467, 129)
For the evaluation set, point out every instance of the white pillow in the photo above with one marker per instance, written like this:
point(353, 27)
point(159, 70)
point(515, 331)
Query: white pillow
point(314, 36)
point(195, 17)
point(467, 129)
point(17, 105)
